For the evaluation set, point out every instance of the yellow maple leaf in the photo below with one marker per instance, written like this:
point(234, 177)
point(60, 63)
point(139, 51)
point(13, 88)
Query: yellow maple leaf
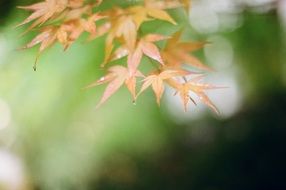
point(177, 53)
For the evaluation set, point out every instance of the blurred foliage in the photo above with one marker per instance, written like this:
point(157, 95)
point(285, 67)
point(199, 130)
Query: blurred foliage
point(65, 143)
point(265, 48)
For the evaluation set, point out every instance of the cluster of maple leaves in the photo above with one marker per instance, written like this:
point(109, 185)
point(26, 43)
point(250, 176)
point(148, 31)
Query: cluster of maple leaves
point(64, 21)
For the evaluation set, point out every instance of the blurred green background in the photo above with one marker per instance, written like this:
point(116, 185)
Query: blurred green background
point(53, 138)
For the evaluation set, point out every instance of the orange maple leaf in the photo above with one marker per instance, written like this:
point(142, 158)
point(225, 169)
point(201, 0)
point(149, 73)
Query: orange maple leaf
point(66, 33)
point(126, 22)
point(44, 11)
point(156, 80)
point(64, 21)
point(147, 12)
point(116, 77)
point(177, 53)
point(144, 46)
point(194, 85)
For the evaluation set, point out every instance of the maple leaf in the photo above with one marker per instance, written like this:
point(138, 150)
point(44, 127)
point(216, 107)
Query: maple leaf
point(48, 36)
point(145, 13)
point(144, 46)
point(77, 12)
point(116, 77)
point(72, 29)
point(64, 21)
point(121, 26)
point(177, 53)
point(156, 80)
point(101, 30)
point(66, 33)
point(194, 85)
point(44, 11)
point(126, 22)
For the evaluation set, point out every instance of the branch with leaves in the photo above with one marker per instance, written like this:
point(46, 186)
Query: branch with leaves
point(64, 21)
